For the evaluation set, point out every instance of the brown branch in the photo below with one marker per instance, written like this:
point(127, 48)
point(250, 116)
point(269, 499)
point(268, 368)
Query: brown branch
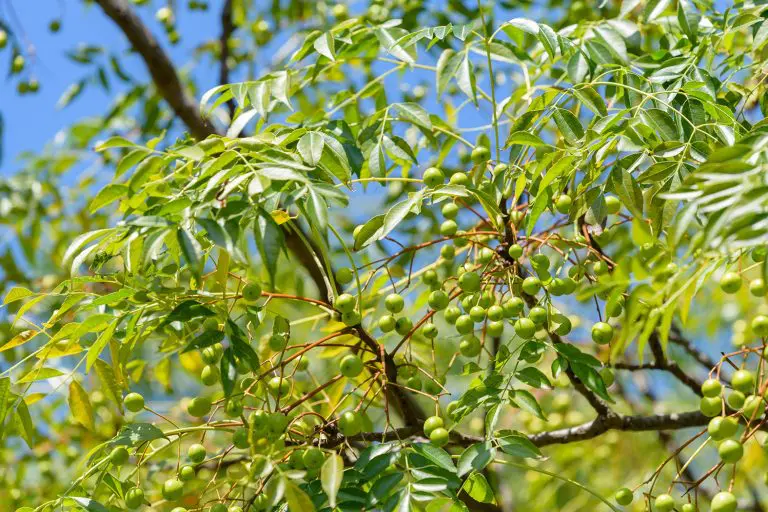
point(159, 65)
point(672, 367)
point(676, 337)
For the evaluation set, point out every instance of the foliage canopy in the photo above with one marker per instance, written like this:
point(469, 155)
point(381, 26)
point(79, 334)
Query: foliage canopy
point(399, 268)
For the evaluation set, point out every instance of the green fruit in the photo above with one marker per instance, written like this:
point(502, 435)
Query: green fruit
point(744, 381)
point(464, 324)
point(414, 383)
point(134, 498)
point(525, 328)
point(469, 282)
point(751, 405)
point(724, 502)
point(211, 324)
point(538, 315)
point(563, 203)
point(495, 313)
point(345, 303)
point(433, 177)
point(17, 66)
point(730, 451)
point(470, 346)
point(430, 276)
point(351, 318)
point(212, 354)
point(199, 406)
point(757, 288)
point(448, 252)
point(736, 399)
point(173, 489)
point(209, 375)
point(278, 386)
point(351, 366)
point(515, 251)
point(624, 496)
point(277, 342)
point(452, 314)
point(513, 307)
point(449, 227)
point(531, 285)
point(499, 168)
point(313, 458)
point(431, 424)
point(387, 323)
point(459, 178)
point(344, 276)
point(450, 210)
point(602, 333)
point(612, 204)
point(403, 325)
point(711, 387)
point(394, 303)
point(119, 455)
point(688, 507)
point(350, 424)
point(477, 314)
point(540, 262)
point(235, 508)
point(219, 507)
point(664, 503)
point(600, 268)
point(730, 282)
point(252, 292)
point(196, 453)
point(429, 331)
point(439, 436)
point(178, 509)
point(710, 406)
point(495, 328)
point(438, 300)
point(608, 377)
point(759, 326)
point(480, 154)
point(722, 427)
point(3, 39)
point(187, 473)
point(134, 402)
point(234, 408)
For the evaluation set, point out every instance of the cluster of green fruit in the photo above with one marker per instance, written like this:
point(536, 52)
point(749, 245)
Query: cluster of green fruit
point(721, 502)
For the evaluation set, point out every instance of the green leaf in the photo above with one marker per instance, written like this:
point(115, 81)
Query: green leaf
point(661, 123)
point(42, 373)
point(16, 293)
point(331, 475)
point(414, 113)
point(654, 8)
point(80, 405)
point(187, 310)
point(297, 500)
point(115, 142)
point(23, 421)
point(517, 444)
point(325, 46)
point(389, 43)
point(310, 147)
point(399, 212)
point(5, 401)
point(592, 100)
point(90, 505)
point(19, 339)
point(95, 350)
point(382, 487)
point(689, 19)
point(206, 339)
point(108, 194)
point(526, 401)
point(367, 233)
point(475, 458)
point(436, 455)
point(592, 379)
point(191, 250)
point(447, 68)
point(134, 434)
point(109, 385)
point(479, 488)
point(569, 125)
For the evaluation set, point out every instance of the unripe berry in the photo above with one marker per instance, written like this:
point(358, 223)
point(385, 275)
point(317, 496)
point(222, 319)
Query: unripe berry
point(433, 177)
point(563, 203)
point(624, 496)
point(602, 333)
point(711, 387)
point(730, 282)
point(730, 451)
point(394, 303)
point(134, 402)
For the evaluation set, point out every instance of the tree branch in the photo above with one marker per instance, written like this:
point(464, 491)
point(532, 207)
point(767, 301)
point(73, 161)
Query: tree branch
point(227, 28)
point(159, 65)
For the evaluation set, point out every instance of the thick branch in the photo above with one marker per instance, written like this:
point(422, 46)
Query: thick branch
point(159, 65)
point(672, 367)
point(227, 28)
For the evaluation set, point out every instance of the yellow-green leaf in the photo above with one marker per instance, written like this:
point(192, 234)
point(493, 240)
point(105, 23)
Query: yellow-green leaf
point(80, 405)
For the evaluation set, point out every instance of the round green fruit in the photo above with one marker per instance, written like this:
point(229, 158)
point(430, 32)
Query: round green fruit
point(480, 154)
point(438, 300)
point(134, 402)
point(403, 325)
point(744, 381)
point(513, 307)
point(464, 324)
point(459, 178)
point(439, 436)
point(186, 473)
point(450, 210)
point(710, 406)
point(525, 328)
point(387, 323)
point(173, 489)
point(431, 424)
point(344, 276)
point(119, 455)
point(196, 453)
point(449, 227)
point(394, 303)
point(602, 333)
point(730, 451)
point(429, 331)
point(730, 282)
point(722, 427)
point(724, 502)
point(664, 503)
point(351, 318)
point(515, 251)
point(278, 386)
point(209, 375)
point(477, 314)
point(759, 326)
point(531, 285)
point(757, 288)
point(469, 282)
point(350, 424)
point(134, 498)
point(538, 315)
point(495, 328)
point(252, 292)
point(736, 399)
point(624, 496)
point(433, 177)
point(452, 314)
point(313, 458)
point(563, 203)
point(240, 439)
point(351, 366)
point(345, 303)
point(612, 204)
point(711, 387)
point(199, 406)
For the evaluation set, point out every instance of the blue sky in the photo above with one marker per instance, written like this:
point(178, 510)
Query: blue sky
point(32, 120)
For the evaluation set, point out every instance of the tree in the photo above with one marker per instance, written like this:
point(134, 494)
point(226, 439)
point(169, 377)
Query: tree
point(324, 290)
